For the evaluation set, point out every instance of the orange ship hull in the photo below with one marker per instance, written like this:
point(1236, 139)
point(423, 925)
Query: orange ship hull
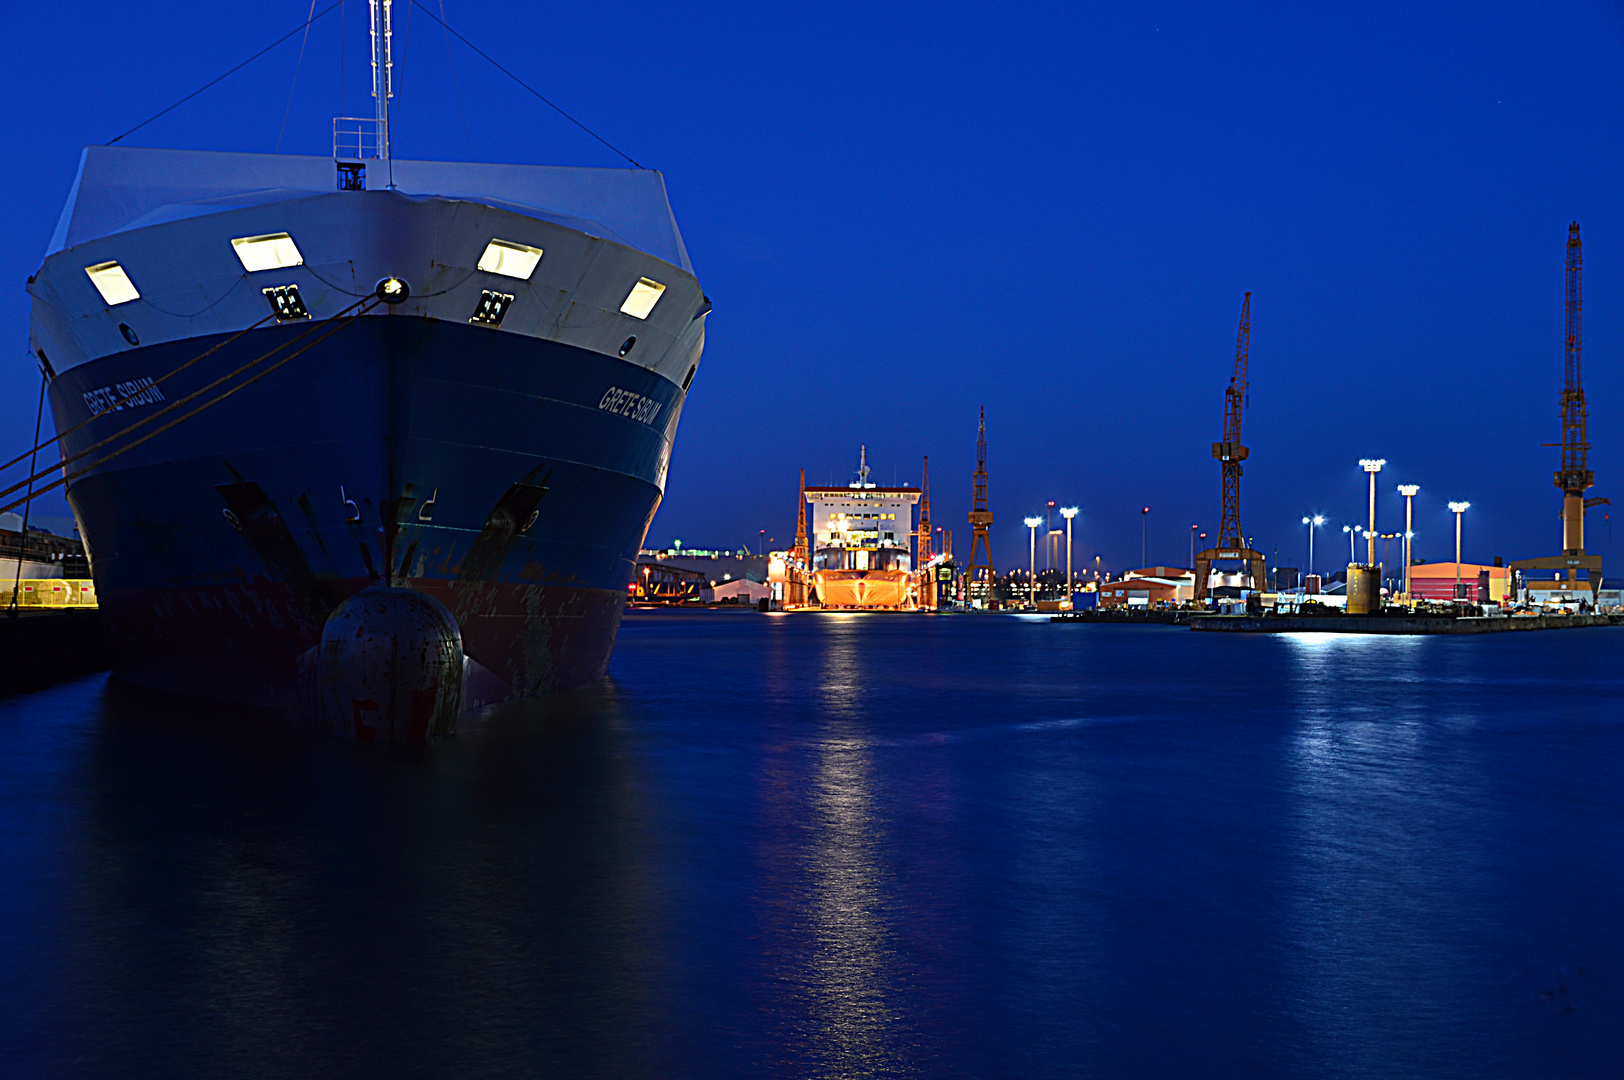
point(862, 588)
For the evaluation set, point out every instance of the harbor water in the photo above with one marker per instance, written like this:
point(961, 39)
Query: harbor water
point(859, 845)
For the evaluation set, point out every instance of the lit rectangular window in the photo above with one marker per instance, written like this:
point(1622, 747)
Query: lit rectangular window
point(112, 282)
point(510, 259)
point(644, 295)
point(273, 251)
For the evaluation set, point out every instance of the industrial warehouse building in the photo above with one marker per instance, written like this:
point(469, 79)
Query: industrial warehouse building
point(1436, 581)
point(741, 591)
point(1148, 587)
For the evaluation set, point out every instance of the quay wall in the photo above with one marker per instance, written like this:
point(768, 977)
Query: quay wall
point(39, 648)
point(1392, 624)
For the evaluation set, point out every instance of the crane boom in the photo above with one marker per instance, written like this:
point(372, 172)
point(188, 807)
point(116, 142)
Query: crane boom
point(980, 576)
point(1230, 453)
point(1235, 399)
point(1574, 477)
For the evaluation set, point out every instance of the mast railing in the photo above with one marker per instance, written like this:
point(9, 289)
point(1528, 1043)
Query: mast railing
point(358, 138)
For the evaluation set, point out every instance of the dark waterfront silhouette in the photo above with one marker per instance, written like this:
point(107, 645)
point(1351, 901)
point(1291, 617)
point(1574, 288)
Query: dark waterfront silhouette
point(846, 845)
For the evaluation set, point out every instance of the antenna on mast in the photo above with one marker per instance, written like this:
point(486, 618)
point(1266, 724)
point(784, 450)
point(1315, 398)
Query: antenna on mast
point(862, 471)
point(383, 69)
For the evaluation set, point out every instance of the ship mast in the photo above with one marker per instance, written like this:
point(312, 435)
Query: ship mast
point(383, 70)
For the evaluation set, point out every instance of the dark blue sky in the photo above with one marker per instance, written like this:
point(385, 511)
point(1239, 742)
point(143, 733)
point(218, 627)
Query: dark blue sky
point(1052, 211)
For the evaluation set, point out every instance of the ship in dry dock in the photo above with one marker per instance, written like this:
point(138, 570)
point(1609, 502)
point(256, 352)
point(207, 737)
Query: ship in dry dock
point(860, 535)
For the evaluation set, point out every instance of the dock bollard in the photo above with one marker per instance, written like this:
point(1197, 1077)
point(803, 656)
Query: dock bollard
point(390, 667)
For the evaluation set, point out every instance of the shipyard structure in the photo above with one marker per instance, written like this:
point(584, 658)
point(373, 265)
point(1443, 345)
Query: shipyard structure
point(857, 548)
point(861, 542)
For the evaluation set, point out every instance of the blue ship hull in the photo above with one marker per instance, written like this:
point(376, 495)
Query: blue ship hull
point(510, 477)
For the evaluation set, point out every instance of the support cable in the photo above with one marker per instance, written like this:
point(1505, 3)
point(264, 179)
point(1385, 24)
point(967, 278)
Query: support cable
point(233, 71)
point(172, 406)
point(455, 84)
point(297, 67)
point(22, 539)
point(521, 82)
point(251, 380)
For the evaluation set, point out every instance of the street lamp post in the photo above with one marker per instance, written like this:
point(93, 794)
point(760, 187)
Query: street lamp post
point(1313, 523)
point(1349, 529)
point(1458, 508)
point(1032, 524)
point(1068, 512)
point(1144, 516)
point(1409, 492)
point(1372, 466)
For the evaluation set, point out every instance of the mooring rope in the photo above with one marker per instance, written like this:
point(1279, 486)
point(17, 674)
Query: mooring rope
point(334, 324)
point(172, 406)
point(38, 446)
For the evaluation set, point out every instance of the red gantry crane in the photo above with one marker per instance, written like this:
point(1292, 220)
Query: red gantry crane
point(980, 573)
point(1230, 453)
point(923, 551)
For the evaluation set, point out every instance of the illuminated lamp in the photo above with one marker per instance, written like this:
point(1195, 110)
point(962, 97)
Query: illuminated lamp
point(492, 306)
point(286, 303)
point(392, 290)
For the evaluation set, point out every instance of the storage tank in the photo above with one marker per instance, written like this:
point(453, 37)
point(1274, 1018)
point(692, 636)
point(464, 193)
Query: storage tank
point(1364, 589)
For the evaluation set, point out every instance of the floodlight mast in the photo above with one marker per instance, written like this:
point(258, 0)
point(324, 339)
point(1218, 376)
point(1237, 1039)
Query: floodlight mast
point(1068, 512)
point(1458, 508)
point(1372, 466)
point(1032, 524)
point(1409, 491)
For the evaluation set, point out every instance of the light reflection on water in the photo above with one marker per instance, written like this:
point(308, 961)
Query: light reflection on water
point(1394, 837)
point(836, 945)
point(847, 846)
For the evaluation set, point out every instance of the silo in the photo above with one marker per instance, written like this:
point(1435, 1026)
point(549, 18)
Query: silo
point(1364, 589)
